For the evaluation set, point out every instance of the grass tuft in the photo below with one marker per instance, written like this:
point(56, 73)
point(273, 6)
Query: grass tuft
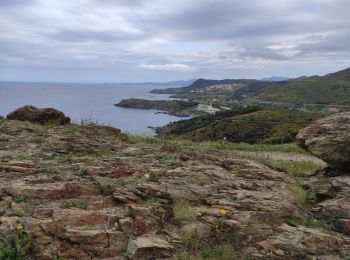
point(183, 211)
point(300, 194)
point(193, 239)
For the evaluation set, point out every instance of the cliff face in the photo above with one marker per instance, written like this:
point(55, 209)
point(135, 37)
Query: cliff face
point(91, 192)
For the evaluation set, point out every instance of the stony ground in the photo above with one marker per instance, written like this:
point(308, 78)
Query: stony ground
point(91, 192)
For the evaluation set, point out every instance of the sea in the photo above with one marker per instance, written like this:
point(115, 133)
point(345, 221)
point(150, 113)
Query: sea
point(92, 102)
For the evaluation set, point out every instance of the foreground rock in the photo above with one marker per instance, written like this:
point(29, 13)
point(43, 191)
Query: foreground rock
point(331, 200)
point(90, 192)
point(329, 139)
point(329, 189)
point(39, 115)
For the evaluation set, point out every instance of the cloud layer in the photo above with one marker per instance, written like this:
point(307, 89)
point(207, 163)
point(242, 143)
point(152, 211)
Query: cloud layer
point(137, 40)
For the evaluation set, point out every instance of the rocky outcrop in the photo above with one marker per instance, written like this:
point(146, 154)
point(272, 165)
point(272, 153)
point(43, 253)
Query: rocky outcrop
point(90, 192)
point(331, 199)
point(329, 139)
point(39, 115)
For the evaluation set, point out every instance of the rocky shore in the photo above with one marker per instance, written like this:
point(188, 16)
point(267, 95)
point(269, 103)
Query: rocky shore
point(92, 192)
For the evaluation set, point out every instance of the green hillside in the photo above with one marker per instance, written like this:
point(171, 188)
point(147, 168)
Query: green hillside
point(201, 84)
point(332, 89)
point(249, 125)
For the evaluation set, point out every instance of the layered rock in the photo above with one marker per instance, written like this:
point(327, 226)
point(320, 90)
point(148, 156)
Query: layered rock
point(329, 139)
point(39, 115)
point(90, 192)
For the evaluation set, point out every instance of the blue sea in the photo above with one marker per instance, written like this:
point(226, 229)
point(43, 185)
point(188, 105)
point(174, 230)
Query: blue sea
point(89, 101)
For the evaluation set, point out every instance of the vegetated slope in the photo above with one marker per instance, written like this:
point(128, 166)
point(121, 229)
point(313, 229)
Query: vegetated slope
point(331, 89)
point(174, 107)
point(255, 88)
point(201, 84)
point(250, 125)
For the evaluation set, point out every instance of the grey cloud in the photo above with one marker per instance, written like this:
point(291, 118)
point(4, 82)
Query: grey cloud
point(325, 44)
point(120, 3)
point(91, 35)
point(209, 35)
point(261, 53)
point(10, 3)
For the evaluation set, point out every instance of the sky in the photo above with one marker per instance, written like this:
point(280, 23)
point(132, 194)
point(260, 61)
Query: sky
point(165, 40)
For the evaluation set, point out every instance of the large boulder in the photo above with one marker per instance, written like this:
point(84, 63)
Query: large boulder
point(39, 115)
point(329, 139)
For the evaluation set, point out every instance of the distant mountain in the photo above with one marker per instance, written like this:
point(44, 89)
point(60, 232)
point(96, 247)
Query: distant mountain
point(178, 83)
point(201, 84)
point(331, 89)
point(175, 84)
point(204, 83)
point(274, 79)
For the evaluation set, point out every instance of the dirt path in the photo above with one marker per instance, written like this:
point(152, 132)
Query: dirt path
point(284, 156)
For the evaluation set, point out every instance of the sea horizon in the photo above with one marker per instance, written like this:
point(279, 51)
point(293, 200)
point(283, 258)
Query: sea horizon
point(89, 101)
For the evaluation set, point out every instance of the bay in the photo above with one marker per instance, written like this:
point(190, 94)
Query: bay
point(93, 102)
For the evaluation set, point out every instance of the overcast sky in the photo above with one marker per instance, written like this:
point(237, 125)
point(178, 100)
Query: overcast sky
point(163, 40)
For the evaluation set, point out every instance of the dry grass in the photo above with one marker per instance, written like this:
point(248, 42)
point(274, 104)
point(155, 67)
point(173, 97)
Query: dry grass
point(183, 211)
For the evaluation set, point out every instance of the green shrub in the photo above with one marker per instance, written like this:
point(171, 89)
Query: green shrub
point(17, 247)
point(20, 198)
point(293, 221)
point(37, 140)
point(165, 158)
point(106, 190)
point(65, 159)
point(81, 171)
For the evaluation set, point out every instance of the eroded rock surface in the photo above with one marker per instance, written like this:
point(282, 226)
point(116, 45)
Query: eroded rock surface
point(329, 139)
point(90, 192)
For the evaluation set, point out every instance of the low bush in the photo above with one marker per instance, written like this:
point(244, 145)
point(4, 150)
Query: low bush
point(17, 247)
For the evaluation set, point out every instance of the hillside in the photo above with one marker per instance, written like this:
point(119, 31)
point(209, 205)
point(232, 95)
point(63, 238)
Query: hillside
point(201, 84)
point(332, 89)
point(315, 91)
point(250, 125)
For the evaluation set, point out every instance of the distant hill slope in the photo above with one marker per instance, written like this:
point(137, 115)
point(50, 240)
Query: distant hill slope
point(330, 89)
point(274, 79)
point(201, 84)
point(250, 125)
